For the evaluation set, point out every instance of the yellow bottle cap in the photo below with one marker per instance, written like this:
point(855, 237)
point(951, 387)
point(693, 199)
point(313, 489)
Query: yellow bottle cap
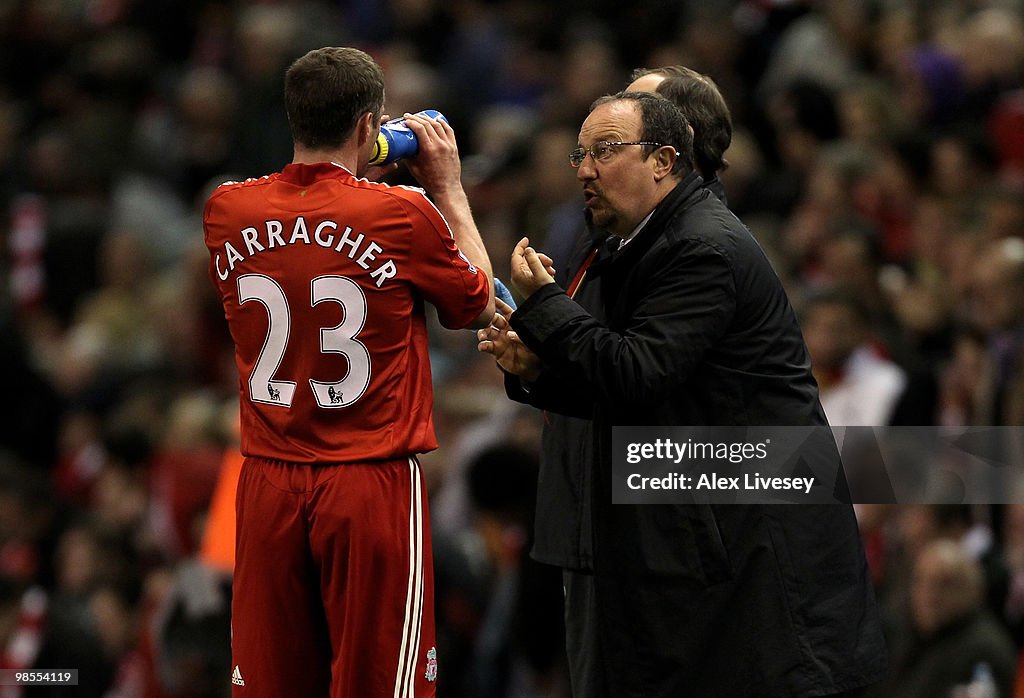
point(380, 150)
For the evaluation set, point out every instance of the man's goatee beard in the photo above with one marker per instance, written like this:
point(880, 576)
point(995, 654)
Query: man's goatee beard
point(588, 219)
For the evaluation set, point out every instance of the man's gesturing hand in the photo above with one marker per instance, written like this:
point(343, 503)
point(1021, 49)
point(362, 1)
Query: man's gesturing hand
point(530, 269)
point(501, 341)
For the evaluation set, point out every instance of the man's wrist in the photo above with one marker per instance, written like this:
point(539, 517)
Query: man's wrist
point(538, 295)
point(534, 326)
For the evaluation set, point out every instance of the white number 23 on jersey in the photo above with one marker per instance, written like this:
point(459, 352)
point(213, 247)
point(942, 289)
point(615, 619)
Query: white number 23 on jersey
point(263, 385)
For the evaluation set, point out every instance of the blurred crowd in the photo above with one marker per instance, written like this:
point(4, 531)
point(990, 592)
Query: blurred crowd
point(878, 157)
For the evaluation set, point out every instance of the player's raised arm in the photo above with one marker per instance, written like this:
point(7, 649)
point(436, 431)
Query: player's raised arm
point(437, 168)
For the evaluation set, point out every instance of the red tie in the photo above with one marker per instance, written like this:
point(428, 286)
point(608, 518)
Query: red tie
point(578, 279)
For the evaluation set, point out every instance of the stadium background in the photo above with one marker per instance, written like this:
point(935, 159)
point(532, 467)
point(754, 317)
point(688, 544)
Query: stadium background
point(878, 156)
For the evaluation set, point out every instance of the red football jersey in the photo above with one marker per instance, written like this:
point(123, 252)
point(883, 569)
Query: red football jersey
point(323, 277)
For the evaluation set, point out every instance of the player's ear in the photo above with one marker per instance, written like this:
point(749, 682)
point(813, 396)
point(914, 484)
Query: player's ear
point(366, 127)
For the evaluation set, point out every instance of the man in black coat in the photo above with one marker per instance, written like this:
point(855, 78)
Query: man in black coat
point(676, 318)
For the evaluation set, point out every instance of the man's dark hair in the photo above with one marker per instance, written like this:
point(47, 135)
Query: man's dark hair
point(327, 91)
point(702, 104)
point(668, 71)
point(661, 122)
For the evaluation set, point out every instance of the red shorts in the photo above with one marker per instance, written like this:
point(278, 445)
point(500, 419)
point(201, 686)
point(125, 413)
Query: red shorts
point(333, 586)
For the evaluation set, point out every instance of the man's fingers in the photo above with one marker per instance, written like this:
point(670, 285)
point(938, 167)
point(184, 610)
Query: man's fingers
point(422, 127)
point(504, 311)
point(536, 265)
point(520, 247)
point(432, 128)
point(520, 270)
point(440, 126)
point(549, 264)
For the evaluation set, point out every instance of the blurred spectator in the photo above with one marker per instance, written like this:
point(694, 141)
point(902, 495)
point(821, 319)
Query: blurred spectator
point(746, 172)
point(477, 43)
point(508, 642)
point(88, 566)
point(1013, 558)
point(820, 47)
point(1001, 213)
point(29, 523)
point(553, 215)
point(192, 633)
point(30, 432)
point(111, 338)
point(960, 378)
point(868, 116)
point(803, 117)
point(859, 387)
point(949, 633)
point(961, 164)
point(265, 42)
point(930, 86)
point(588, 70)
point(998, 309)
point(193, 139)
point(1006, 129)
point(992, 53)
point(184, 472)
point(22, 621)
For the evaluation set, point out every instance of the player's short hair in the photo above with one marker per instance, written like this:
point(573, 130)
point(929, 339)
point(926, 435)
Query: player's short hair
point(327, 91)
point(701, 102)
point(661, 122)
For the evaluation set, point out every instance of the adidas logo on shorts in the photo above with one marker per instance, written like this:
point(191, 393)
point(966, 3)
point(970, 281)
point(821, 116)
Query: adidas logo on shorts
point(236, 677)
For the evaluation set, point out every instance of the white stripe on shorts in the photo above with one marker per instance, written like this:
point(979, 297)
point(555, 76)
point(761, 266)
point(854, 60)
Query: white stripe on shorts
point(406, 674)
point(418, 592)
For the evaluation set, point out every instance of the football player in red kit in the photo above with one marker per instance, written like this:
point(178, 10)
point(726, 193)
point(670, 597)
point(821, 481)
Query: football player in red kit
point(323, 276)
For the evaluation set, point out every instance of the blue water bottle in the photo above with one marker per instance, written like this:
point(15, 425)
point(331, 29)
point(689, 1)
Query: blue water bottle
point(397, 141)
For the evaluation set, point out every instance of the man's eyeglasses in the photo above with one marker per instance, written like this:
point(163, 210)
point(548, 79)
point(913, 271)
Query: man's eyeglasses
point(602, 150)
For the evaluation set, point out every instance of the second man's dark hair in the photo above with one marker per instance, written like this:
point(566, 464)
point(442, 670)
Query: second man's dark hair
point(698, 98)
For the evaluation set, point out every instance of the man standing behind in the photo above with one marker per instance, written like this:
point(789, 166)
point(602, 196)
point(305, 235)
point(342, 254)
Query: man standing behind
point(679, 320)
point(323, 277)
point(700, 101)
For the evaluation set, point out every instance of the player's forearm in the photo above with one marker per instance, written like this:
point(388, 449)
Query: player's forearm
point(454, 206)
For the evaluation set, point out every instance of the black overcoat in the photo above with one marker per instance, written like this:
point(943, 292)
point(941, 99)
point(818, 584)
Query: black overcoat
point(688, 324)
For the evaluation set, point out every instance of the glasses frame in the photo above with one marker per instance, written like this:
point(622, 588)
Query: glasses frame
point(578, 155)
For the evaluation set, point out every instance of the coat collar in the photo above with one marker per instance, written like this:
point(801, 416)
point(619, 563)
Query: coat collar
point(687, 192)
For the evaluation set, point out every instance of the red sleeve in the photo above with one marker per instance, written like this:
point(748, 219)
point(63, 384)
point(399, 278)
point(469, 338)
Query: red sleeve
point(440, 271)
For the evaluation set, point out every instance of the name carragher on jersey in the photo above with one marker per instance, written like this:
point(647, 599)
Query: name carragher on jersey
point(271, 235)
